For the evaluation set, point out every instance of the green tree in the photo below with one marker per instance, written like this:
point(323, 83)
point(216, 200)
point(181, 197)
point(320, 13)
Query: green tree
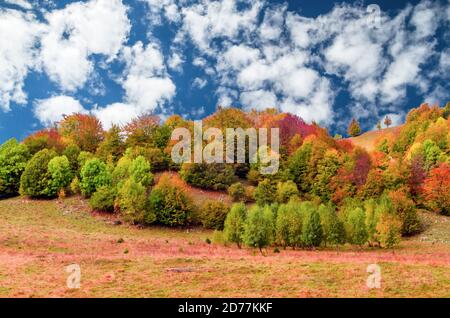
point(139, 170)
point(112, 146)
point(259, 227)
point(133, 203)
point(312, 232)
point(298, 166)
point(234, 223)
point(326, 169)
point(103, 199)
point(333, 228)
point(61, 173)
point(356, 225)
point(94, 174)
point(13, 160)
point(286, 190)
point(36, 179)
point(265, 193)
point(170, 204)
point(72, 152)
point(213, 214)
point(288, 226)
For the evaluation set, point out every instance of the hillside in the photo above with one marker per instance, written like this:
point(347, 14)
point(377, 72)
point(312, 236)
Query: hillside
point(368, 139)
point(38, 243)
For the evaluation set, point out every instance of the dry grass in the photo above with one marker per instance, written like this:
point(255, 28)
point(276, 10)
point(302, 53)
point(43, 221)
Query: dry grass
point(38, 239)
point(369, 139)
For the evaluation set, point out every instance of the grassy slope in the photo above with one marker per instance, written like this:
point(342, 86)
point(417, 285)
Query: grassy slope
point(39, 238)
point(368, 139)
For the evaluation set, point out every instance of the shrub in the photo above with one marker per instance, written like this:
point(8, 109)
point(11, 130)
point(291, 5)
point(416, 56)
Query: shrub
point(121, 171)
point(234, 224)
point(13, 160)
point(72, 152)
point(286, 190)
point(139, 170)
point(83, 157)
point(356, 227)
point(61, 173)
point(103, 199)
point(216, 176)
point(170, 204)
point(259, 227)
point(405, 209)
point(36, 179)
point(75, 186)
point(250, 194)
point(213, 214)
point(253, 176)
point(333, 228)
point(94, 174)
point(133, 203)
point(389, 230)
point(312, 233)
point(237, 192)
point(265, 193)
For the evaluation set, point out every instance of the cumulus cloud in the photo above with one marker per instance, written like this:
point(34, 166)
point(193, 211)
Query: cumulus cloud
point(78, 31)
point(18, 34)
point(51, 110)
point(199, 82)
point(21, 3)
point(146, 83)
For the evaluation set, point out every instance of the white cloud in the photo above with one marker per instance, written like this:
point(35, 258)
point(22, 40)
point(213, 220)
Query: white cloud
point(18, 35)
point(78, 31)
point(176, 62)
point(259, 100)
point(162, 8)
point(117, 113)
point(199, 82)
point(426, 18)
point(52, 109)
point(272, 25)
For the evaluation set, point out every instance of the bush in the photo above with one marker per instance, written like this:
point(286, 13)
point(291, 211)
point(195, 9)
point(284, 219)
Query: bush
point(213, 214)
point(170, 204)
point(133, 203)
point(94, 174)
point(237, 192)
point(333, 228)
point(216, 176)
point(265, 193)
point(121, 171)
point(389, 230)
point(103, 199)
point(312, 233)
point(356, 227)
point(405, 209)
point(139, 170)
point(61, 173)
point(13, 160)
point(286, 190)
point(36, 179)
point(250, 194)
point(234, 224)
point(72, 153)
point(75, 186)
point(259, 227)
point(253, 176)
point(83, 157)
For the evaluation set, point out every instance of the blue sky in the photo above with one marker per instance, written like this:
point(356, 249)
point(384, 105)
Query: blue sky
point(325, 61)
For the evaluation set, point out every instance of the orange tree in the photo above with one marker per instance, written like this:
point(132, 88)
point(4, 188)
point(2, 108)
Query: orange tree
point(437, 189)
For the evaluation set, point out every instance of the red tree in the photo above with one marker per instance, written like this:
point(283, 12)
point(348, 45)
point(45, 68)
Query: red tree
point(437, 189)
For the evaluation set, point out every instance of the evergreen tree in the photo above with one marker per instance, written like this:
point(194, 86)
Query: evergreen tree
point(312, 232)
point(354, 129)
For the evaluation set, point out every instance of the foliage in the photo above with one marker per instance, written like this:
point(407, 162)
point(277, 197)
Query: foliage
point(36, 179)
point(356, 227)
point(234, 224)
point(237, 192)
point(265, 192)
point(405, 210)
point(437, 189)
point(353, 128)
point(213, 214)
point(112, 146)
point(288, 225)
point(103, 199)
point(94, 174)
point(48, 138)
point(132, 201)
point(215, 176)
point(60, 172)
point(170, 204)
point(333, 228)
point(83, 130)
point(389, 229)
point(139, 171)
point(312, 232)
point(259, 227)
point(286, 190)
point(72, 153)
point(13, 160)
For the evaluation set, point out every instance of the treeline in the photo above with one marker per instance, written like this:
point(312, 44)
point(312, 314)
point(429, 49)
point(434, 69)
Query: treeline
point(115, 170)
